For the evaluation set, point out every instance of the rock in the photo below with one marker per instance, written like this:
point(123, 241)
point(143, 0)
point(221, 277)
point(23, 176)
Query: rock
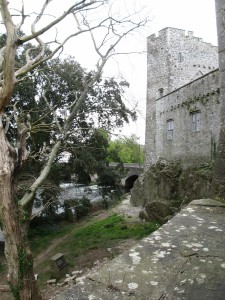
point(80, 279)
point(170, 183)
point(69, 280)
point(97, 262)
point(60, 284)
point(36, 276)
point(51, 281)
point(157, 211)
point(143, 215)
point(77, 272)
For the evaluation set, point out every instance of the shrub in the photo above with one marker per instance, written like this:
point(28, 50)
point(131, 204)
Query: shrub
point(74, 209)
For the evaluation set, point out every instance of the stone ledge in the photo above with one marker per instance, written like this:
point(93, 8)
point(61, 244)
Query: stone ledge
point(208, 202)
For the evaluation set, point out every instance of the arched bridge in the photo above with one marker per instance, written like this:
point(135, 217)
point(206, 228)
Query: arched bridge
point(131, 173)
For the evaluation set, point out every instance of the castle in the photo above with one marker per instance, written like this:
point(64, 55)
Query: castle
point(183, 107)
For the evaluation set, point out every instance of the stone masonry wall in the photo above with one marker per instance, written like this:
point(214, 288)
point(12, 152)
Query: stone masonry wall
point(174, 59)
point(201, 95)
point(219, 169)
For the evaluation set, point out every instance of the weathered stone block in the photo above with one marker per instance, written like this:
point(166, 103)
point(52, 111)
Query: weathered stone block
point(158, 212)
point(58, 265)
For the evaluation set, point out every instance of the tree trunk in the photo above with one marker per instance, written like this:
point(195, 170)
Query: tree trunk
point(20, 262)
point(219, 167)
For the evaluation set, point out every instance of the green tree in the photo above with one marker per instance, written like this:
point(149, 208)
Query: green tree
point(126, 150)
point(60, 82)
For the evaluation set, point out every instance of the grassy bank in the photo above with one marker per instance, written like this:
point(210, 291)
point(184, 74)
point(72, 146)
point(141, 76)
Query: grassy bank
point(84, 243)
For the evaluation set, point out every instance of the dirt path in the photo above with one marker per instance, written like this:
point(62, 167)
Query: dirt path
point(43, 255)
point(126, 209)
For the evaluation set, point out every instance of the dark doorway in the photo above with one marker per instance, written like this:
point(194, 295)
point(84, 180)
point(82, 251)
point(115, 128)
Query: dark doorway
point(129, 182)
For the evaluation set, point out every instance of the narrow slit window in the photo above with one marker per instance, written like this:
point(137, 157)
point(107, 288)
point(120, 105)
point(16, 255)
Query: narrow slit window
point(196, 121)
point(180, 57)
point(161, 92)
point(170, 127)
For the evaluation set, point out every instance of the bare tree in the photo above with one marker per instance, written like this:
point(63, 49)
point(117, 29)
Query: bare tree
point(15, 213)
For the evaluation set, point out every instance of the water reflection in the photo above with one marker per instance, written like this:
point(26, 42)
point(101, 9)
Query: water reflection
point(71, 190)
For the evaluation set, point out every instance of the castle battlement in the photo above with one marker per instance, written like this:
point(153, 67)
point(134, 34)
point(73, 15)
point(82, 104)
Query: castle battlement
point(164, 32)
point(175, 59)
point(176, 33)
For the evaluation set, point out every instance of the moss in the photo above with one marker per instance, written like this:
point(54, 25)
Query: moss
point(25, 264)
point(167, 182)
point(195, 183)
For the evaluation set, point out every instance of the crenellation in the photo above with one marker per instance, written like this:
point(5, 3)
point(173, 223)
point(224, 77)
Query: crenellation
point(152, 36)
point(177, 33)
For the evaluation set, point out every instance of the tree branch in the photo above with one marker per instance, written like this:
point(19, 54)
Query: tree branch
point(76, 7)
point(8, 61)
point(29, 195)
point(32, 64)
point(23, 17)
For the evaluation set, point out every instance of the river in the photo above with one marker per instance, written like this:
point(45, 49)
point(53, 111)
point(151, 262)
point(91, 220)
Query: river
point(71, 190)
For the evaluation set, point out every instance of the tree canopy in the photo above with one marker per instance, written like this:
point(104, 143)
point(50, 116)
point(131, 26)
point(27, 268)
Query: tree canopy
point(51, 92)
point(126, 150)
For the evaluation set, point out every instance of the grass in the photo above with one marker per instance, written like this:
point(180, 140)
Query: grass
point(107, 231)
point(81, 239)
point(42, 237)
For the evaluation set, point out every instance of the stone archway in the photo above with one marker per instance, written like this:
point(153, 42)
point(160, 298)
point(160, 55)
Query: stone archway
point(129, 182)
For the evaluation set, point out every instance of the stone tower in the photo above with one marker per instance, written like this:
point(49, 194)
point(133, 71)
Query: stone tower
point(173, 60)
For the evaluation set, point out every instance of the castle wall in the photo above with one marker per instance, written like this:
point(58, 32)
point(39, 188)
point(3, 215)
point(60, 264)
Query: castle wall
point(192, 147)
point(173, 60)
